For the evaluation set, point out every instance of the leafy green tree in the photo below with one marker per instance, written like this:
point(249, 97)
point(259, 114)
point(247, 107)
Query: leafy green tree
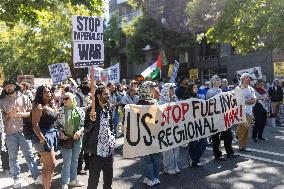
point(112, 39)
point(28, 11)
point(250, 25)
point(29, 49)
point(155, 30)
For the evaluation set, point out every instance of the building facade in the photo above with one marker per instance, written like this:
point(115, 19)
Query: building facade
point(208, 59)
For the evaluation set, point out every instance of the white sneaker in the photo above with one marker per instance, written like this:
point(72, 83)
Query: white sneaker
point(65, 186)
point(17, 183)
point(177, 171)
point(6, 172)
point(149, 182)
point(39, 180)
point(170, 172)
point(76, 183)
point(157, 181)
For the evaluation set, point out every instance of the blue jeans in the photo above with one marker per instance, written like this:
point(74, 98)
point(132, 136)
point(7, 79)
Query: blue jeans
point(196, 149)
point(115, 120)
point(170, 159)
point(70, 162)
point(151, 166)
point(14, 141)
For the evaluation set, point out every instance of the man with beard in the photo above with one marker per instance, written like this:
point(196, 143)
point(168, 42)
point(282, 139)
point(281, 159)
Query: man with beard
point(15, 106)
point(99, 140)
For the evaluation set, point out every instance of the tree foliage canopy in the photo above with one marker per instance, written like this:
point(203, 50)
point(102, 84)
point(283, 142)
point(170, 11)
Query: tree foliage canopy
point(29, 11)
point(250, 25)
point(155, 28)
point(29, 44)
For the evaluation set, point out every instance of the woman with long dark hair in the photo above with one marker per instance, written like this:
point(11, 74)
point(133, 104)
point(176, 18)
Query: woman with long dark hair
point(99, 140)
point(45, 142)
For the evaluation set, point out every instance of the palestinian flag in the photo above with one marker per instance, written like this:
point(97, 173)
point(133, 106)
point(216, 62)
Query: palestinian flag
point(155, 70)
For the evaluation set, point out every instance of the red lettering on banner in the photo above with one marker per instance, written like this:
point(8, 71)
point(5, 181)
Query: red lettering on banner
point(176, 119)
point(230, 117)
point(177, 112)
point(165, 116)
point(184, 109)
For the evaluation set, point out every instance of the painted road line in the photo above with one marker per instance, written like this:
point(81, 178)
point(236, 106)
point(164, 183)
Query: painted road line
point(266, 152)
point(258, 158)
point(263, 151)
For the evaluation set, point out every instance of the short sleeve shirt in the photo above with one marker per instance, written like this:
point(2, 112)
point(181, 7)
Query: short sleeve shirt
point(249, 94)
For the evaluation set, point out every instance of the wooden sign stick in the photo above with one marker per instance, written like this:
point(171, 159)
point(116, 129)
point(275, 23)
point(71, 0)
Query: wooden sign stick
point(93, 88)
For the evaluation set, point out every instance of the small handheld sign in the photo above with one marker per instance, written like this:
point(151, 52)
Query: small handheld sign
point(59, 72)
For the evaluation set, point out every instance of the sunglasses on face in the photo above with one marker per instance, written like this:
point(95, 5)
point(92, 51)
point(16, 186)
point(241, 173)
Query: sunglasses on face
point(66, 98)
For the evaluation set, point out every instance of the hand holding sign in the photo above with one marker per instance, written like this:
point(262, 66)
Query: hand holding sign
point(93, 115)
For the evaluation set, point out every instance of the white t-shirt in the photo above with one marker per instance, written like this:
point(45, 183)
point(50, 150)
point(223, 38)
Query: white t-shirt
point(249, 94)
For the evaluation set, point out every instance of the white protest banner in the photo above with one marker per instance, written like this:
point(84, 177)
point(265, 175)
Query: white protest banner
point(42, 81)
point(59, 72)
point(254, 72)
point(26, 78)
point(152, 129)
point(175, 71)
point(110, 74)
point(88, 45)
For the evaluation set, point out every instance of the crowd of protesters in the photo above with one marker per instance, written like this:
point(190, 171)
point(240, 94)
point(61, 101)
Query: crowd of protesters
point(61, 118)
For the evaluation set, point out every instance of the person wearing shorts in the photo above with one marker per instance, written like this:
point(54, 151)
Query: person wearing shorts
point(45, 140)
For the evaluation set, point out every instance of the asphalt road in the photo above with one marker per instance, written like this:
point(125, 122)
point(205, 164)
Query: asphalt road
point(263, 168)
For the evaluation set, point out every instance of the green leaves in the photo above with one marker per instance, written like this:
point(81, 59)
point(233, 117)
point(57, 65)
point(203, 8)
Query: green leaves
point(144, 30)
point(250, 25)
point(38, 33)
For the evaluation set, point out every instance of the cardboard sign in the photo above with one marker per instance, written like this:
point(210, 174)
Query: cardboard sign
point(2, 78)
point(171, 69)
point(193, 74)
point(59, 72)
point(152, 129)
point(26, 78)
point(278, 69)
point(42, 81)
point(175, 71)
point(87, 37)
point(254, 72)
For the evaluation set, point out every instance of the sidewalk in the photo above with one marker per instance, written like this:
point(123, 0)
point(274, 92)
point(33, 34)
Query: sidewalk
point(6, 182)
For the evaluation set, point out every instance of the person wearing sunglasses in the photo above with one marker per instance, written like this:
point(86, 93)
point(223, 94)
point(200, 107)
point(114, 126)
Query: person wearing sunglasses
point(71, 120)
point(44, 115)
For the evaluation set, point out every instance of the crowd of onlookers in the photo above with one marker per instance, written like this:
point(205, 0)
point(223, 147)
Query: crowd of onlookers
point(61, 118)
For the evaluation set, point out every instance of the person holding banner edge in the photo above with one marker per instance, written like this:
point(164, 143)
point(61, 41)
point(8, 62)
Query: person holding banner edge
point(250, 100)
point(195, 148)
point(214, 90)
point(170, 157)
point(150, 163)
